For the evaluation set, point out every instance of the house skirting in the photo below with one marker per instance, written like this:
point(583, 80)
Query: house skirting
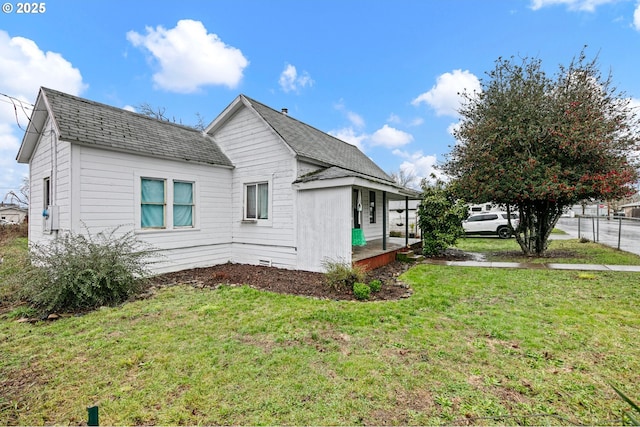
point(377, 261)
point(374, 257)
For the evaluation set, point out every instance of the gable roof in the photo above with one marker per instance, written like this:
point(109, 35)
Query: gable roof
point(86, 122)
point(307, 142)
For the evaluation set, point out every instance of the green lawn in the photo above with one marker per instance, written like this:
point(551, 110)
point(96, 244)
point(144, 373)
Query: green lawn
point(472, 345)
point(570, 251)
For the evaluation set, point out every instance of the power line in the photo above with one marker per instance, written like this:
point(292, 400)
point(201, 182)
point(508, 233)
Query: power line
point(13, 100)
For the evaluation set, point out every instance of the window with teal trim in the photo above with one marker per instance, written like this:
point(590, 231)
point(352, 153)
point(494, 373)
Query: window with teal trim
point(183, 206)
point(153, 202)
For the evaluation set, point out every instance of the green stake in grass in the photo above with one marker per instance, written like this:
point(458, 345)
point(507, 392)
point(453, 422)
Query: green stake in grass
point(92, 412)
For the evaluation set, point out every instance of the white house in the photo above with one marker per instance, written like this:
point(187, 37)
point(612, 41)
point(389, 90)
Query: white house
point(12, 213)
point(257, 187)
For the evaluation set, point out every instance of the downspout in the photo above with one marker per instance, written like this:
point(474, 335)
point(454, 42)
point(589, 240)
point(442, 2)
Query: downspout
point(406, 221)
point(384, 220)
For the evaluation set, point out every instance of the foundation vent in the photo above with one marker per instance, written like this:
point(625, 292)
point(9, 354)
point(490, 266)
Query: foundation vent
point(265, 263)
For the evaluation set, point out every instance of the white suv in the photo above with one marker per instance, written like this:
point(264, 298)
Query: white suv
point(494, 223)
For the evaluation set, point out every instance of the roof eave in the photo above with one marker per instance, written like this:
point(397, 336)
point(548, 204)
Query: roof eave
point(148, 154)
point(231, 109)
point(352, 181)
point(34, 130)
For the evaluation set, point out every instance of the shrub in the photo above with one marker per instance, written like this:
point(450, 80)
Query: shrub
point(395, 234)
point(375, 286)
point(361, 291)
point(340, 275)
point(11, 231)
point(440, 216)
point(77, 272)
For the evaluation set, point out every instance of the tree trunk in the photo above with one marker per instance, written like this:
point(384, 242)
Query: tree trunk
point(537, 220)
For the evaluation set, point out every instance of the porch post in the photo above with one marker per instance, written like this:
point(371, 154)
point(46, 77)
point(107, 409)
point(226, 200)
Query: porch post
point(406, 221)
point(384, 220)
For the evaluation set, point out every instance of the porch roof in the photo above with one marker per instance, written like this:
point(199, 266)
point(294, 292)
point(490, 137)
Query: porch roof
point(335, 176)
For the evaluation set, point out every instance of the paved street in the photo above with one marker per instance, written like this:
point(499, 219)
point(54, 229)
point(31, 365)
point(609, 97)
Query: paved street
point(606, 231)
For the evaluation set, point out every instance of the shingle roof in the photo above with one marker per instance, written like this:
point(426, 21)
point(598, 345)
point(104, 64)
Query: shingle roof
point(311, 143)
point(87, 122)
point(335, 172)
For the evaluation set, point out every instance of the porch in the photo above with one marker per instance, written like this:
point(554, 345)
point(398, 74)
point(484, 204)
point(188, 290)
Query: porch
point(372, 255)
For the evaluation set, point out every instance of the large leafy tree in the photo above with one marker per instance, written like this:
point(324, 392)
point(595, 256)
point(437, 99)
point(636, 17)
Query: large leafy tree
point(538, 143)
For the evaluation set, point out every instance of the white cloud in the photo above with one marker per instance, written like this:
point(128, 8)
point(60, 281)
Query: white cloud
point(23, 69)
point(390, 137)
point(418, 164)
point(581, 5)
point(636, 17)
point(353, 133)
point(395, 119)
point(355, 119)
point(9, 142)
point(290, 81)
point(445, 96)
point(453, 127)
point(350, 136)
point(129, 108)
point(189, 57)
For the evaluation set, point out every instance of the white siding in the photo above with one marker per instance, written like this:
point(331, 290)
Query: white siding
point(324, 227)
point(50, 159)
point(106, 195)
point(259, 155)
point(305, 168)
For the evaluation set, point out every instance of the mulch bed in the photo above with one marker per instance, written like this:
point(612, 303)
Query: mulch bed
point(296, 282)
point(285, 281)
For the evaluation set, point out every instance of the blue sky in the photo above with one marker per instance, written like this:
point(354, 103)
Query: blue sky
point(383, 75)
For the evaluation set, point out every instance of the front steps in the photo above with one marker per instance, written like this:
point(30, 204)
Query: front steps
point(408, 256)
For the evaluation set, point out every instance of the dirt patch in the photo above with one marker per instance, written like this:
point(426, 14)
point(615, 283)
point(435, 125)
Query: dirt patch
point(285, 281)
point(457, 255)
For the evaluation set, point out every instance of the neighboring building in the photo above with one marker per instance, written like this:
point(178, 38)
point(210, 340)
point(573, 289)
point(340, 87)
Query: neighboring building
point(631, 210)
point(12, 213)
point(483, 207)
point(257, 187)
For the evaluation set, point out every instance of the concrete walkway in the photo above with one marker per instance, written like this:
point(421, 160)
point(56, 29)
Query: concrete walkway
point(549, 266)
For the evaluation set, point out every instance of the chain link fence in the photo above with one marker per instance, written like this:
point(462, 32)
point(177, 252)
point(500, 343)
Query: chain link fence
point(618, 232)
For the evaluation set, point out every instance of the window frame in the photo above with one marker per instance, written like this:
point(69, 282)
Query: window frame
point(163, 204)
point(258, 204)
point(46, 192)
point(174, 204)
point(372, 207)
point(169, 219)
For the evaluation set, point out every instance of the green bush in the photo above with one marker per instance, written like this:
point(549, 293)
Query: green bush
point(375, 286)
point(78, 272)
point(340, 275)
point(395, 234)
point(440, 216)
point(361, 291)
point(8, 232)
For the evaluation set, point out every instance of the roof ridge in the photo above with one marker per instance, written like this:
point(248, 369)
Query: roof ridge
point(251, 100)
point(118, 109)
point(94, 123)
